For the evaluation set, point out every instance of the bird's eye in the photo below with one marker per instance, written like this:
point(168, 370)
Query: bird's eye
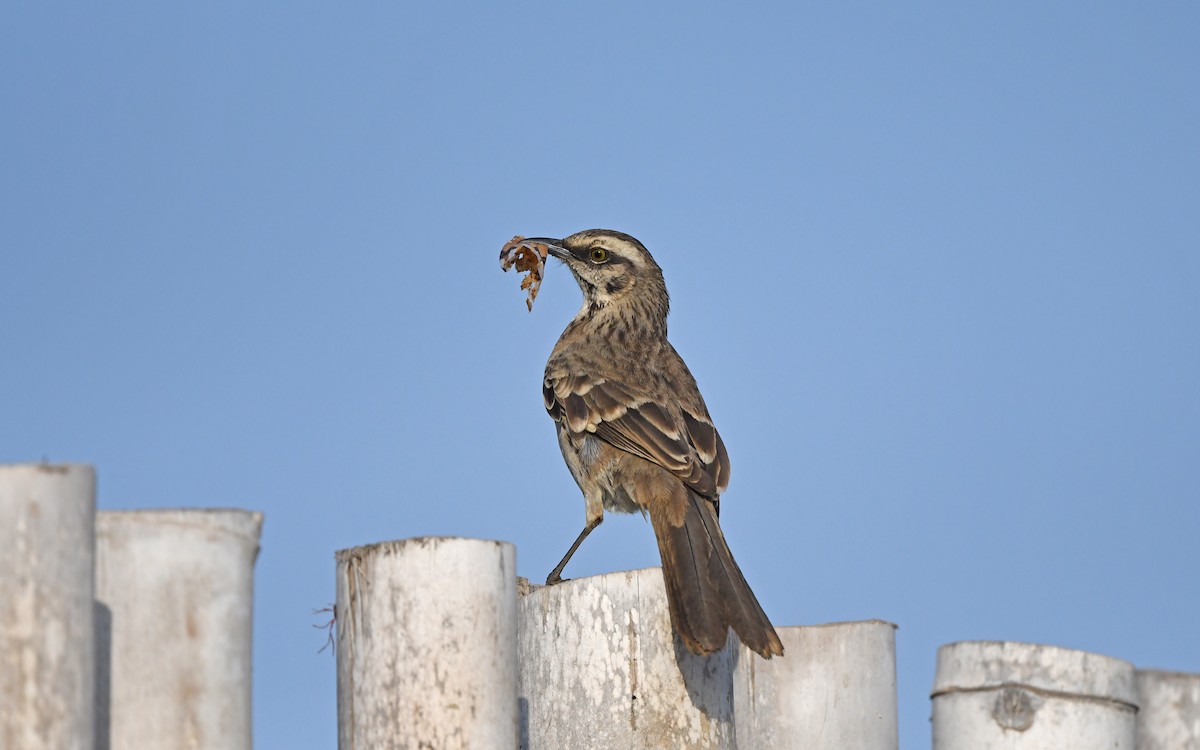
point(599, 255)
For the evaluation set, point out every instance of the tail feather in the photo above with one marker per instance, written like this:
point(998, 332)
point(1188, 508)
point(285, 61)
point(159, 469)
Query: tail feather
point(706, 591)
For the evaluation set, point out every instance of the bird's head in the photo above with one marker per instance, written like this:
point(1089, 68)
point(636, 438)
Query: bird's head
point(615, 272)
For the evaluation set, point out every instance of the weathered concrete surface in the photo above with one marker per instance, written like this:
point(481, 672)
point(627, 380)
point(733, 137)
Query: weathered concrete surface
point(601, 668)
point(1169, 718)
point(426, 645)
point(834, 689)
point(47, 656)
point(990, 695)
point(175, 594)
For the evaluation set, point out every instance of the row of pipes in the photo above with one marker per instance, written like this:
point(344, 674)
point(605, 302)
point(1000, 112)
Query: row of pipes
point(132, 629)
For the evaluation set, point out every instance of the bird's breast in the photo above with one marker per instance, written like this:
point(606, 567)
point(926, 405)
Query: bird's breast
point(599, 470)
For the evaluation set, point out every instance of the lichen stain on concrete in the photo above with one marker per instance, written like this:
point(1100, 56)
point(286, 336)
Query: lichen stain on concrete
point(1016, 709)
point(190, 627)
point(189, 696)
point(632, 635)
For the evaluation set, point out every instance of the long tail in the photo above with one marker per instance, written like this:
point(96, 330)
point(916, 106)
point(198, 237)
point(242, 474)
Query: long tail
point(706, 591)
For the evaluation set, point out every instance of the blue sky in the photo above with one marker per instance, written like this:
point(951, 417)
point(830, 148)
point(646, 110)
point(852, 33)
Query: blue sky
point(935, 267)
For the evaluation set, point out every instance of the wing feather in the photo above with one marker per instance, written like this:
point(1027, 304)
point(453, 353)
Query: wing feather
point(679, 440)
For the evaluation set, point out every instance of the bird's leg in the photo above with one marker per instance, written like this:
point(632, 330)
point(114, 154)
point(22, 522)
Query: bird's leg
point(556, 574)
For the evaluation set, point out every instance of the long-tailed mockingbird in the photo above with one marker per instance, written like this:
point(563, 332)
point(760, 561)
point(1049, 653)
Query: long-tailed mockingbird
point(637, 436)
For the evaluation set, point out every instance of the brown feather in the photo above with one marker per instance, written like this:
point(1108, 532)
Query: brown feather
point(702, 435)
point(636, 434)
point(706, 591)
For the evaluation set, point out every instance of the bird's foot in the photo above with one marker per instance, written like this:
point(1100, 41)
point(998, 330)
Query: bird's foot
point(555, 578)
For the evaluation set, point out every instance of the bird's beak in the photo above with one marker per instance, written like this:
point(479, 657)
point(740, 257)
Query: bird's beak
point(553, 246)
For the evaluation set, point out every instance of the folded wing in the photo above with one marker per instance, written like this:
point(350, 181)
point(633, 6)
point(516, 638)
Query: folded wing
point(676, 438)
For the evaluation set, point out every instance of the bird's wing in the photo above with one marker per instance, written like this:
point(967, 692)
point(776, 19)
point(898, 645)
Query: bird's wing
point(678, 439)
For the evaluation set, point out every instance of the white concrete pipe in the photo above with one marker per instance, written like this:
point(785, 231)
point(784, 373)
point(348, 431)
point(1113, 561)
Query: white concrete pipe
point(834, 689)
point(989, 695)
point(1169, 715)
point(426, 645)
point(600, 668)
point(175, 593)
point(47, 657)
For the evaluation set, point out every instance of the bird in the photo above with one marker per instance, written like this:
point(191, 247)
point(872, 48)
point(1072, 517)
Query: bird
point(636, 436)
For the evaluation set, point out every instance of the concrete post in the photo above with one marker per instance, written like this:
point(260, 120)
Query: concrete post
point(600, 667)
point(1025, 696)
point(175, 592)
point(426, 645)
point(47, 657)
point(1169, 715)
point(834, 689)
